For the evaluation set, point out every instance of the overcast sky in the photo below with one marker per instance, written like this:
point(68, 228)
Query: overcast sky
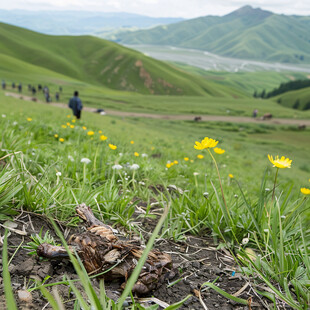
point(162, 8)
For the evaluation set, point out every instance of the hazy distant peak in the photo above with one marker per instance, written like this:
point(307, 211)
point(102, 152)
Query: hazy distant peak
point(249, 10)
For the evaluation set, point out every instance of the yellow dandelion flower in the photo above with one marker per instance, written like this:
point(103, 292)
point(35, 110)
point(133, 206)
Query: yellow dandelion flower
point(205, 144)
point(84, 127)
point(63, 126)
point(152, 148)
point(112, 146)
point(199, 156)
point(103, 138)
point(186, 158)
point(68, 116)
point(73, 120)
point(56, 136)
point(90, 133)
point(136, 154)
point(217, 150)
point(280, 163)
point(175, 162)
point(305, 191)
point(168, 165)
point(231, 176)
point(132, 142)
point(61, 139)
point(72, 126)
point(100, 131)
point(68, 124)
point(29, 119)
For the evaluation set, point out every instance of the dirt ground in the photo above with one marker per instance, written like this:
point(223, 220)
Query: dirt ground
point(203, 118)
point(195, 261)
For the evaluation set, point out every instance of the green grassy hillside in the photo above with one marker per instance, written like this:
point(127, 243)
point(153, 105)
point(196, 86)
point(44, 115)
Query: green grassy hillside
point(96, 61)
point(297, 99)
point(246, 33)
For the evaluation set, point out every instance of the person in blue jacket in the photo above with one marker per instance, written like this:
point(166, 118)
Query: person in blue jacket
point(75, 104)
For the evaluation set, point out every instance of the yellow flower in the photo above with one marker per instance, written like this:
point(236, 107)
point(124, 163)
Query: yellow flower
point(61, 139)
point(29, 119)
point(231, 176)
point(152, 148)
point(68, 124)
point(200, 156)
point(136, 154)
point(175, 162)
point(103, 138)
point(168, 165)
point(56, 136)
point(90, 133)
point(63, 126)
point(84, 127)
point(217, 150)
point(100, 131)
point(305, 191)
point(191, 160)
point(186, 158)
point(205, 144)
point(73, 121)
point(112, 146)
point(280, 163)
point(68, 116)
point(72, 126)
point(132, 142)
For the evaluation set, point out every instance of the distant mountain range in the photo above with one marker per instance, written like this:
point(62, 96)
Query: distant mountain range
point(246, 33)
point(98, 62)
point(78, 22)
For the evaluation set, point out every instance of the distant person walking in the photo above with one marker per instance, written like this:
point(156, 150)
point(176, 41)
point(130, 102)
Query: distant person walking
point(75, 104)
point(20, 87)
point(57, 96)
point(255, 112)
point(3, 84)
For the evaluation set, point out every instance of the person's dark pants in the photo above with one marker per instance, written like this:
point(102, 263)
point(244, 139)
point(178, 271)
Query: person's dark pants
point(78, 114)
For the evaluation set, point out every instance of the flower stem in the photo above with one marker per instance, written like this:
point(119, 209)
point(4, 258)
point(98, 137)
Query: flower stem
point(218, 173)
point(274, 185)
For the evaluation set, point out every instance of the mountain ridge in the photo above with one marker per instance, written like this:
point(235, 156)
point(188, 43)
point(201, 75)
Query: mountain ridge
point(246, 33)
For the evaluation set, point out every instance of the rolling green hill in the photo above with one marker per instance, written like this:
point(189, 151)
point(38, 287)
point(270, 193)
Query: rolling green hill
point(246, 33)
point(296, 99)
point(98, 62)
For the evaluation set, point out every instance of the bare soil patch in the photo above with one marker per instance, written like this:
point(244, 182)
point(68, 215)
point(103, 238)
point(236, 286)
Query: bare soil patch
point(195, 260)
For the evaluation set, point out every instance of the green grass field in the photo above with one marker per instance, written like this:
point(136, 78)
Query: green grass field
point(50, 162)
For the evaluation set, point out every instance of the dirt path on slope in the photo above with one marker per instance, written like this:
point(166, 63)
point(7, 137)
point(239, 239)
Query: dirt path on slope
point(216, 118)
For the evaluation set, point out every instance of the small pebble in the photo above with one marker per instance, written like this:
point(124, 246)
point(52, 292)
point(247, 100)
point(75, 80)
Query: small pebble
point(24, 296)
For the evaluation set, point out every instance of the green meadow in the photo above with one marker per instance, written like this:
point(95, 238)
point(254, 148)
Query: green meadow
point(256, 209)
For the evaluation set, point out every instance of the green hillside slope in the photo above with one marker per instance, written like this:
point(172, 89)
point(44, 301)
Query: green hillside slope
point(246, 33)
point(297, 99)
point(98, 62)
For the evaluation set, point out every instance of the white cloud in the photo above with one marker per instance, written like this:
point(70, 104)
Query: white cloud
point(163, 8)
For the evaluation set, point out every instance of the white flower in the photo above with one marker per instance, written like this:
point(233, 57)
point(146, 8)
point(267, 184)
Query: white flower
point(236, 196)
point(245, 241)
point(283, 216)
point(117, 167)
point(196, 173)
point(134, 167)
point(206, 195)
point(267, 189)
point(58, 174)
point(143, 155)
point(70, 158)
point(85, 161)
point(15, 123)
point(266, 230)
point(3, 115)
point(120, 154)
point(141, 183)
point(33, 153)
